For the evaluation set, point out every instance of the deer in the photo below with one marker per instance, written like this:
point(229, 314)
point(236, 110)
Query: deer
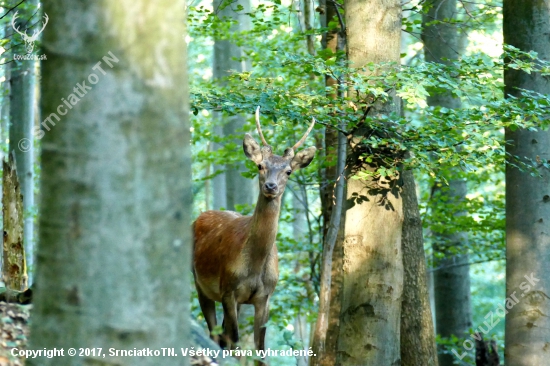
point(235, 257)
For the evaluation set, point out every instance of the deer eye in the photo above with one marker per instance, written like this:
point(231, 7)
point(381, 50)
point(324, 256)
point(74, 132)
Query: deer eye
point(288, 172)
point(260, 167)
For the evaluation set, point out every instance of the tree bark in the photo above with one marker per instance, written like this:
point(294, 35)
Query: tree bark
point(333, 41)
point(5, 111)
point(417, 330)
point(442, 44)
point(320, 335)
point(300, 234)
point(308, 24)
point(113, 261)
point(22, 114)
point(14, 270)
point(527, 26)
point(373, 272)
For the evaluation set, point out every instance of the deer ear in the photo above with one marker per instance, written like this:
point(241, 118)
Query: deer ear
point(252, 149)
point(303, 158)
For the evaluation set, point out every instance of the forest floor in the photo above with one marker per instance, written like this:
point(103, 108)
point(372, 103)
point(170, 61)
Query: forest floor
point(14, 331)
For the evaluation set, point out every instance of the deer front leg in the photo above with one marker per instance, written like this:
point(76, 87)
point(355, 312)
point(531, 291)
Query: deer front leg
point(230, 325)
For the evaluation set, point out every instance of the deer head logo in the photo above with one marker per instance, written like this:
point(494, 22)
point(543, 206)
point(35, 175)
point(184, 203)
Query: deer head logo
point(29, 40)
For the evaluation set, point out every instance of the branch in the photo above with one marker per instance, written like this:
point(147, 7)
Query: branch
point(331, 126)
point(340, 20)
point(465, 264)
point(9, 11)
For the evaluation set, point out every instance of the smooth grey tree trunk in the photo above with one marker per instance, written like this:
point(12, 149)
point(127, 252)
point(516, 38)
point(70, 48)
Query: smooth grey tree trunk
point(372, 265)
point(527, 26)
point(227, 58)
point(442, 44)
point(22, 115)
point(113, 259)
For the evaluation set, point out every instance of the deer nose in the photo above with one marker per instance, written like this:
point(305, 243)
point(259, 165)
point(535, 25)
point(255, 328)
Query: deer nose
point(270, 186)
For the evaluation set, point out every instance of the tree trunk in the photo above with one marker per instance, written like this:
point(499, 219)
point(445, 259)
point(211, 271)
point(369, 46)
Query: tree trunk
point(219, 198)
point(113, 260)
point(227, 59)
point(486, 352)
point(329, 243)
point(527, 26)
point(326, 354)
point(330, 41)
point(417, 330)
point(5, 108)
point(14, 271)
point(300, 234)
point(22, 83)
point(231, 188)
point(309, 6)
point(373, 272)
point(443, 43)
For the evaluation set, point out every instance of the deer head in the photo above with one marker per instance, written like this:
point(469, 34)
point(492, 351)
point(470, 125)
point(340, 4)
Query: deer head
point(29, 40)
point(274, 170)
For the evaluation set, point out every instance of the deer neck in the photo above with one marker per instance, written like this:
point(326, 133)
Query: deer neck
point(263, 230)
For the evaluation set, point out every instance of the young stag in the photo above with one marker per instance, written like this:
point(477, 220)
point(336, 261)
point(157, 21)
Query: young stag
point(235, 257)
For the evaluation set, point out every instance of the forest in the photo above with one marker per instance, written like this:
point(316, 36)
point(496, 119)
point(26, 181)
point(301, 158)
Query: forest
point(282, 182)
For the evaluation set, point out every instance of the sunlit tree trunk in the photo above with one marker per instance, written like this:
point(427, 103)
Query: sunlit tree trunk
point(442, 44)
point(527, 26)
point(113, 260)
point(373, 272)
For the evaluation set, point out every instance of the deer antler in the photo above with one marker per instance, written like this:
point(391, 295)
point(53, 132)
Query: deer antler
point(23, 34)
point(259, 127)
point(35, 34)
point(297, 145)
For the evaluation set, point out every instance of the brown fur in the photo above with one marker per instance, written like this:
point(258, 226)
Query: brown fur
point(235, 257)
point(222, 237)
